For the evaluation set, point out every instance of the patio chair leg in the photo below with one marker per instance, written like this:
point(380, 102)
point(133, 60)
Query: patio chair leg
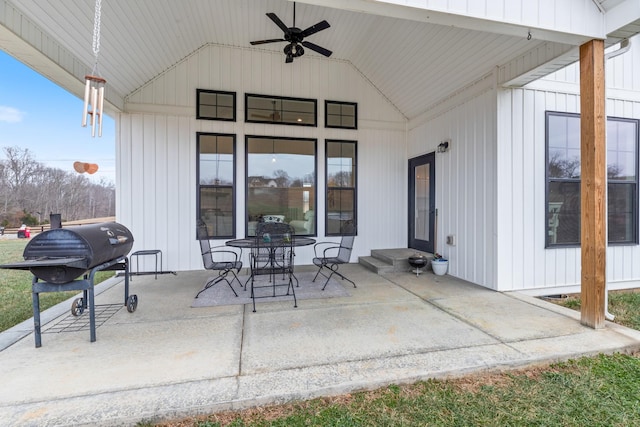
point(222, 276)
point(253, 295)
point(293, 291)
point(318, 272)
point(235, 277)
point(346, 278)
point(335, 271)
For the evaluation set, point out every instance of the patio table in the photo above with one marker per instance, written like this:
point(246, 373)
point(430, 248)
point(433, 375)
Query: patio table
point(250, 242)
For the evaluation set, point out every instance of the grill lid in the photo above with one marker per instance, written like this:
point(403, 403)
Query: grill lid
point(61, 255)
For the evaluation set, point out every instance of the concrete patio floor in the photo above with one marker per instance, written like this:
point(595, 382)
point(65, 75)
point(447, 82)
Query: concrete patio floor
point(167, 360)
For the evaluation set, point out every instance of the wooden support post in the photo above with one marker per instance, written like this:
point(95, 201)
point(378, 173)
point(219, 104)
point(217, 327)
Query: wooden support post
point(593, 183)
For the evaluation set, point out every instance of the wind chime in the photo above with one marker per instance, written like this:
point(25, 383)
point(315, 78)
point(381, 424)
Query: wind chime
point(94, 84)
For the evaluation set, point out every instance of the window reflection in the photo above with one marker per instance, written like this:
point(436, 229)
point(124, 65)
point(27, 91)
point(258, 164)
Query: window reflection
point(563, 174)
point(341, 185)
point(281, 182)
point(216, 183)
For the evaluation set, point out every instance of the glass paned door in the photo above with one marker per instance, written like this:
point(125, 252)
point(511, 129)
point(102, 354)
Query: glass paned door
point(422, 202)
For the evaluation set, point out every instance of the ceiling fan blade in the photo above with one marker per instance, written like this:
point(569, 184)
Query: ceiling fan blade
point(278, 22)
point(267, 41)
point(323, 25)
point(319, 49)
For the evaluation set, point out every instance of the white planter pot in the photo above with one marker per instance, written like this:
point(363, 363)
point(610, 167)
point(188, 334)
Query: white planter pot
point(439, 266)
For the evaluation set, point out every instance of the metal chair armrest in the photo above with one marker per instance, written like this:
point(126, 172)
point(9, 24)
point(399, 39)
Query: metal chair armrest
point(315, 247)
point(225, 249)
point(324, 253)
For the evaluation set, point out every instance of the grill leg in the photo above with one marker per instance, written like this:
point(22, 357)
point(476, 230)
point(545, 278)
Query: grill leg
point(36, 316)
point(92, 313)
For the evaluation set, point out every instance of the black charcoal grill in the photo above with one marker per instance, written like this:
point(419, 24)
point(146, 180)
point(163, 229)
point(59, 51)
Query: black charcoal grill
point(58, 257)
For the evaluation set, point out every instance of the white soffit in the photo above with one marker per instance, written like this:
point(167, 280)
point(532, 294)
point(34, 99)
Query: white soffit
point(411, 60)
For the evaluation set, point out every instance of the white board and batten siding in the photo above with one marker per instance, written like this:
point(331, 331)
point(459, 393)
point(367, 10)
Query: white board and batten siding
point(156, 148)
point(524, 262)
point(465, 178)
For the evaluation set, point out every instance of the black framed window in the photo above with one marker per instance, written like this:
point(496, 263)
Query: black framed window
point(280, 110)
point(281, 182)
point(341, 167)
point(341, 114)
point(563, 179)
point(215, 105)
point(216, 183)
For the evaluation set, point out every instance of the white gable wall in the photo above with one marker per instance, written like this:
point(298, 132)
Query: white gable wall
point(157, 148)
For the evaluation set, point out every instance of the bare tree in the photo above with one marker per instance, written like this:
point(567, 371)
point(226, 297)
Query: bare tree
point(28, 188)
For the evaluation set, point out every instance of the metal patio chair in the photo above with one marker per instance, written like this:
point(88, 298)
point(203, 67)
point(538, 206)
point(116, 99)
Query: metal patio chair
point(218, 258)
point(273, 255)
point(329, 255)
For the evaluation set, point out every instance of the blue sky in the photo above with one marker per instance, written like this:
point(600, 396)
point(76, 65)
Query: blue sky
point(37, 114)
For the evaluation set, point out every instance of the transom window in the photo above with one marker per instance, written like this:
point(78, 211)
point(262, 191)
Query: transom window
point(341, 160)
point(216, 183)
point(281, 182)
point(215, 105)
point(341, 114)
point(280, 110)
point(563, 179)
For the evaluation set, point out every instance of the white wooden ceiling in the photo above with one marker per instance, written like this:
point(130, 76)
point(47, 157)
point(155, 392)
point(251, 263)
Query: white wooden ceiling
point(414, 64)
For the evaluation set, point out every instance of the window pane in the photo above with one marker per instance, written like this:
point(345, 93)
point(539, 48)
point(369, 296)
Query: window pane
point(341, 185)
point(272, 109)
point(340, 209)
point(621, 150)
point(340, 164)
point(341, 114)
point(215, 105)
point(564, 212)
point(621, 211)
point(216, 183)
point(216, 209)
point(281, 182)
point(216, 160)
point(564, 146)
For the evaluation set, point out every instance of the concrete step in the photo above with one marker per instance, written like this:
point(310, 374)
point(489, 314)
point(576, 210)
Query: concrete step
point(375, 265)
point(391, 260)
point(398, 257)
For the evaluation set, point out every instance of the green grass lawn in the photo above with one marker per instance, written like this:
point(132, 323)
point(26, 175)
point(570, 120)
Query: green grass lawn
point(591, 391)
point(624, 305)
point(15, 287)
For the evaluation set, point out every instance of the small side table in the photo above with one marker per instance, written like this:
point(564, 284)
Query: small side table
point(154, 252)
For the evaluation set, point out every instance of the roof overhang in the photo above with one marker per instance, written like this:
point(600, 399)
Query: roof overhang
point(414, 55)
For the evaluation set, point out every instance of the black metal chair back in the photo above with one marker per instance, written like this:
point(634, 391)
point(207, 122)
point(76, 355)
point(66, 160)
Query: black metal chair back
point(330, 256)
point(217, 258)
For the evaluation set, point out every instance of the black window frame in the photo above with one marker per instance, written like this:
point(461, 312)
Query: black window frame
point(247, 179)
point(280, 111)
point(353, 188)
point(232, 187)
point(199, 115)
point(340, 103)
point(634, 234)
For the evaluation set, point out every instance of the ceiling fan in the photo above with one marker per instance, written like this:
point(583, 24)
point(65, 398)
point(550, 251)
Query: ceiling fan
point(295, 36)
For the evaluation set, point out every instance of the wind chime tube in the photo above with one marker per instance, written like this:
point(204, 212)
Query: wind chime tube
point(85, 110)
point(94, 96)
point(99, 110)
